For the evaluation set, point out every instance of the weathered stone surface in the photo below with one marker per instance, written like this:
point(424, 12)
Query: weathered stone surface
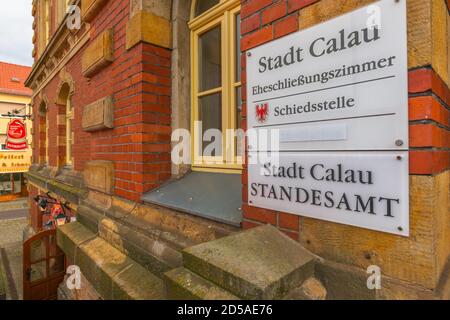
point(314, 290)
point(135, 283)
point(70, 193)
point(99, 176)
point(261, 263)
point(418, 259)
point(343, 282)
point(99, 54)
point(440, 36)
point(89, 8)
point(195, 229)
point(158, 7)
point(89, 217)
point(181, 89)
point(324, 10)
point(86, 291)
point(148, 27)
point(70, 236)
point(181, 284)
point(419, 33)
point(153, 238)
point(98, 115)
point(153, 254)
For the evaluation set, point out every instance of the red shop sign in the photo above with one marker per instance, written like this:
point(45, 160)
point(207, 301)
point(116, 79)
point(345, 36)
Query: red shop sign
point(16, 135)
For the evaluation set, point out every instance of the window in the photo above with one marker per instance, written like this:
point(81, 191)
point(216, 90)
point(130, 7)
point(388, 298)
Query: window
point(202, 6)
point(62, 9)
point(47, 129)
point(43, 134)
point(47, 11)
point(69, 132)
point(216, 85)
point(65, 122)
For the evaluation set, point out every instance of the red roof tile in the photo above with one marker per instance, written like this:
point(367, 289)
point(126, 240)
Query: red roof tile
point(12, 78)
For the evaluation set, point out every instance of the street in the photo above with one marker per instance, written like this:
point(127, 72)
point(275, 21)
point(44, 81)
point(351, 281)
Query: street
point(13, 214)
point(12, 223)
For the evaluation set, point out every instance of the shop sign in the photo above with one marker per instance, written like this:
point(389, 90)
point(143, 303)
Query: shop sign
point(16, 135)
point(14, 161)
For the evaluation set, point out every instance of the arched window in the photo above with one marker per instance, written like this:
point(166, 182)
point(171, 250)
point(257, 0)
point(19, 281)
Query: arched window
point(43, 134)
point(69, 132)
point(216, 84)
point(62, 6)
point(47, 19)
point(44, 23)
point(66, 112)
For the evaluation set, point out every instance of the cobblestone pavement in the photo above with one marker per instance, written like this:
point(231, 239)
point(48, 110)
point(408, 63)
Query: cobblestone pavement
point(11, 254)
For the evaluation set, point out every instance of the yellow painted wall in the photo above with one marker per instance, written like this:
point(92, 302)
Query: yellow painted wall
point(15, 161)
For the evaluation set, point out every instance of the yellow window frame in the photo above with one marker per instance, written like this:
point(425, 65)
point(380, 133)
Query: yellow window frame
point(69, 132)
point(223, 14)
point(47, 125)
point(47, 14)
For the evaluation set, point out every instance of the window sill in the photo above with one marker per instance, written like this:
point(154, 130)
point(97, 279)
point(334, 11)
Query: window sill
point(214, 196)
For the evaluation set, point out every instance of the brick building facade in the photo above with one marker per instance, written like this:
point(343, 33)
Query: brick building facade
point(110, 91)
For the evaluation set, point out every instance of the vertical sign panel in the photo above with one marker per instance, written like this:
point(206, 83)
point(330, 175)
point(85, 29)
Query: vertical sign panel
point(333, 102)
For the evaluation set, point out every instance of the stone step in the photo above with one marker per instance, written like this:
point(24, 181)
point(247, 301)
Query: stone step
point(261, 263)
point(155, 254)
point(153, 249)
point(114, 275)
point(166, 221)
point(152, 236)
point(181, 284)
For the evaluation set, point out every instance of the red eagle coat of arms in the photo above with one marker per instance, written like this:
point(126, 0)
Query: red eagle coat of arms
point(16, 135)
point(262, 111)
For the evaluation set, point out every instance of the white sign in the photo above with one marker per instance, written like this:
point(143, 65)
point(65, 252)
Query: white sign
point(363, 189)
point(330, 103)
point(340, 85)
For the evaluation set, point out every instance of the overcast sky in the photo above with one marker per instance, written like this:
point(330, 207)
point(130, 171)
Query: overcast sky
point(16, 32)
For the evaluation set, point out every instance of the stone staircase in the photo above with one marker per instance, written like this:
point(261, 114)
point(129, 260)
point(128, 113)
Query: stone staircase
point(125, 249)
point(136, 251)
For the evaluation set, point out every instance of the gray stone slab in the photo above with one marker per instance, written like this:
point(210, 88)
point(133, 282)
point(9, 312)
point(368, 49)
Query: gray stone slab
point(197, 194)
point(261, 263)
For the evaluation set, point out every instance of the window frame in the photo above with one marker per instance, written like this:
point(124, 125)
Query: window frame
point(47, 21)
point(223, 14)
point(47, 129)
point(69, 132)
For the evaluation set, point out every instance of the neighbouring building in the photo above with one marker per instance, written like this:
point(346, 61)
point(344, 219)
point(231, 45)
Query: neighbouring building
point(112, 83)
point(15, 103)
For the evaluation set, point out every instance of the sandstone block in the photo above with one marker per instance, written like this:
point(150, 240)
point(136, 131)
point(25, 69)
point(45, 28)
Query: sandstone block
point(99, 176)
point(148, 27)
point(99, 54)
point(98, 115)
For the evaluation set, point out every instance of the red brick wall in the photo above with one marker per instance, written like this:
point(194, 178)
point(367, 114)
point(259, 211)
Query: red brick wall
point(266, 20)
point(140, 82)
